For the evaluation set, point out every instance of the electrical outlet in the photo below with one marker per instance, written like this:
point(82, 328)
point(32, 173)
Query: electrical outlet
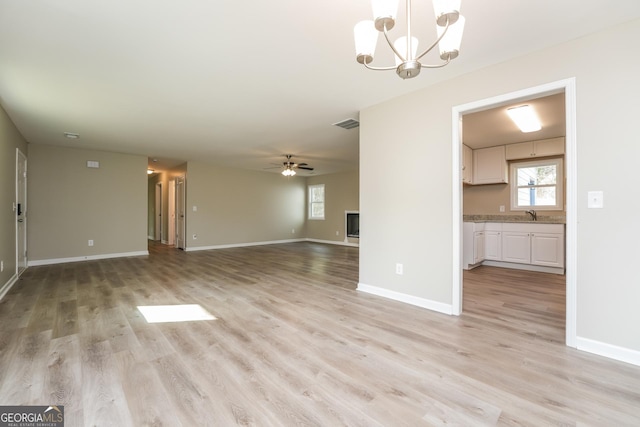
point(195, 237)
point(1, 266)
point(293, 231)
point(501, 208)
point(90, 243)
point(337, 233)
point(399, 269)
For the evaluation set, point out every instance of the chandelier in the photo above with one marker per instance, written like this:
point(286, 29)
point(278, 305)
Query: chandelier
point(449, 25)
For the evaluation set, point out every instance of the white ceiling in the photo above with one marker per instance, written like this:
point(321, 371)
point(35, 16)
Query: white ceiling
point(235, 83)
point(493, 127)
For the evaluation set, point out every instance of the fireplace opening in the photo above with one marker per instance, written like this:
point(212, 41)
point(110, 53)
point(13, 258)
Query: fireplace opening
point(353, 224)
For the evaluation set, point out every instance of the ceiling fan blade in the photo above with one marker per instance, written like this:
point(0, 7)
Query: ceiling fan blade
point(305, 168)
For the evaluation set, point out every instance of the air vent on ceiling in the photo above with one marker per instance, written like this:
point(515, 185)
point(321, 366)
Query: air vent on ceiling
point(348, 124)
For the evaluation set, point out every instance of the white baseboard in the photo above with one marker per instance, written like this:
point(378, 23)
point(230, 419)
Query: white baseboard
point(408, 299)
point(611, 351)
point(333, 242)
point(241, 245)
point(5, 288)
point(85, 258)
point(516, 266)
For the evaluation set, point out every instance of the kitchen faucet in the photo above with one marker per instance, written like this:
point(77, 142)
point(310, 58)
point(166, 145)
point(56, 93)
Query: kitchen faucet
point(534, 215)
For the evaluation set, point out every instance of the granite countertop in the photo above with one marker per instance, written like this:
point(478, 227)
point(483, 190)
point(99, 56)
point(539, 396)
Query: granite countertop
point(515, 218)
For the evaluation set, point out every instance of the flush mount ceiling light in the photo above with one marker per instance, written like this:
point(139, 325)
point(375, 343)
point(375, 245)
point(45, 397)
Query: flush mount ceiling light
point(449, 25)
point(72, 135)
point(525, 118)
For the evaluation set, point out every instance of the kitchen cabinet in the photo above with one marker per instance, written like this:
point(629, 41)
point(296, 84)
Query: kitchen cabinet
point(547, 249)
point(473, 244)
point(535, 244)
point(467, 165)
point(493, 241)
point(490, 166)
point(540, 148)
point(516, 247)
point(504, 244)
point(478, 247)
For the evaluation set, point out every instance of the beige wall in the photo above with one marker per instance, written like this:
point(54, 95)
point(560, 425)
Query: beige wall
point(70, 203)
point(341, 191)
point(10, 140)
point(238, 206)
point(407, 210)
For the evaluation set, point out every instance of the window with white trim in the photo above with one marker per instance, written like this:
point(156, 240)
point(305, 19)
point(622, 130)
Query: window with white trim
point(537, 185)
point(316, 201)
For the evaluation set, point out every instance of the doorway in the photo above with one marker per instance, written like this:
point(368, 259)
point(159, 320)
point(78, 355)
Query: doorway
point(180, 212)
point(158, 213)
point(171, 204)
point(568, 87)
point(21, 212)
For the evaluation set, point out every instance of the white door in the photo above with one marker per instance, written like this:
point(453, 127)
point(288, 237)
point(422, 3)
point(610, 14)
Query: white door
point(158, 213)
point(478, 247)
point(547, 249)
point(180, 212)
point(171, 204)
point(516, 247)
point(21, 212)
point(493, 245)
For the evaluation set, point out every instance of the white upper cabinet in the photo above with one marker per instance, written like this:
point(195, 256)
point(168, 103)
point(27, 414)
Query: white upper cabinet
point(490, 166)
point(467, 165)
point(541, 148)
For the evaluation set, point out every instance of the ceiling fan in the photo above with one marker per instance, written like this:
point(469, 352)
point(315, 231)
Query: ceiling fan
point(288, 167)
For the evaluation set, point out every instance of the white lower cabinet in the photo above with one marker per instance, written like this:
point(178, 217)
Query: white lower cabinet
point(509, 243)
point(493, 241)
point(473, 244)
point(547, 249)
point(517, 247)
point(478, 247)
point(535, 244)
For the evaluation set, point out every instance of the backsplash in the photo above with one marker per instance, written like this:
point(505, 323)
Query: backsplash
point(559, 219)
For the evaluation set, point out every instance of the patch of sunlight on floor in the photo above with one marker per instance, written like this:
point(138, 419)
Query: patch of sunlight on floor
point(174, 313)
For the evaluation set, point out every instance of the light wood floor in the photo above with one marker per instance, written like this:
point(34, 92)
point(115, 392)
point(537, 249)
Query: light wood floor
point(295, 344)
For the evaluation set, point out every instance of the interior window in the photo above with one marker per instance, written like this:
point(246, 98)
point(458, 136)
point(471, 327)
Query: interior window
point(537, 185)
point(316, 201)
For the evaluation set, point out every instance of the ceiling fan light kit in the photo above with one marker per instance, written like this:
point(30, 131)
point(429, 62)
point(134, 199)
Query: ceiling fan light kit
point(289, 167)
point(449, 26)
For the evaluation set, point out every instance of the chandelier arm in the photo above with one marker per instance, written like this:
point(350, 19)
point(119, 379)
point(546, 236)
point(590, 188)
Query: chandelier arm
point(379, 68)
point(438, 65)
point(435, 66)
point(386, 36)
point(435, 43)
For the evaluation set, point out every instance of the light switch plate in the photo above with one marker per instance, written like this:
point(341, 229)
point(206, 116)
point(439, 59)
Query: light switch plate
point(595, 199)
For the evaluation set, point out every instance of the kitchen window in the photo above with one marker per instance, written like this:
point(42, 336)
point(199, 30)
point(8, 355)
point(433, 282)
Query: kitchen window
point(316, 201)
point(537, 185)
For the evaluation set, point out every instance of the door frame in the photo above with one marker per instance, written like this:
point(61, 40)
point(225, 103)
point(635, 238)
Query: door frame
point(171, 216)
point(568, 86)
point(21, 199)
point(181, 209)
point(158, 213)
